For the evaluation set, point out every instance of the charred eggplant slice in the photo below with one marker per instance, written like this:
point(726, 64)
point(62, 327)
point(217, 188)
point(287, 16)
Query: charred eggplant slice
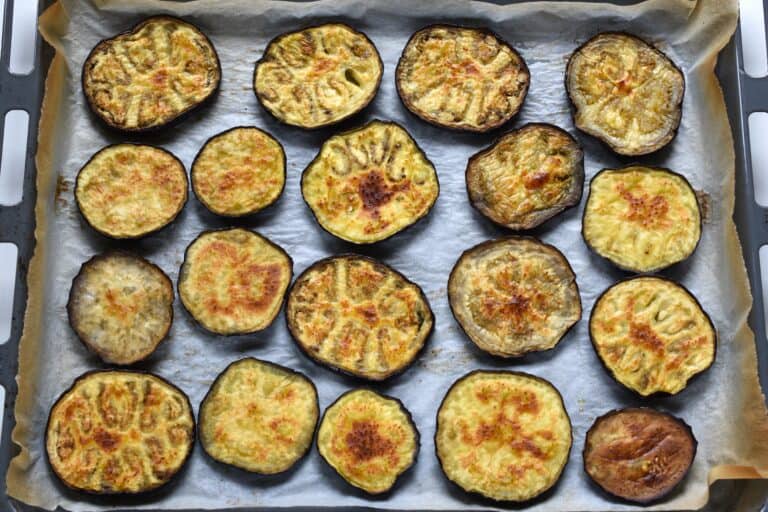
point(239, 172)
point(131, 190)
point(642, 219)
point(121, 306)
point(357, 315)
point(369, 439)
point(370, 183)
point(259, 416)
point(638, 454)
point(233, 281)
point(151, 75)
point(461, 78)
point(119, 432)
point(527, 176)
point(318, 76)
point(504, 435)
point(514, 295)
point(625, 92)
point(652, 335)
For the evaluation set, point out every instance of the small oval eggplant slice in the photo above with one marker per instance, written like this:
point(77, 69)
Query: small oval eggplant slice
point(641, 219)
point(318, 76)
point(121, 306)
point(527, 176)
point(369, 439)
point(638, 454)
point(131, 190)
point(652, 335)
point(148, 77)
point(514, 295)
point(359, 316)
point(233, 281)
point(368, 184)
point(461, 78)
point(625, 92)
point(119, 432)
point(259, 416)
point(504, 435)
point(239, 172)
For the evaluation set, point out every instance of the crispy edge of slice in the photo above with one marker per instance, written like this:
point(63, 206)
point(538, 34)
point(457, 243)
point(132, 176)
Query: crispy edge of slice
point(376, 263)
point(571, 200)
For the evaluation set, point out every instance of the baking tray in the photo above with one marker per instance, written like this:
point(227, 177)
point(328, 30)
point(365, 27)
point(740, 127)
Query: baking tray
point(743, 96)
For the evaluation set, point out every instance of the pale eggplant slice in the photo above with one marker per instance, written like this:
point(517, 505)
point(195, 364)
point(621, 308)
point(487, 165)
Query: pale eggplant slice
point(652, 335)
point(527, 176)
point(641, 219)
point(233, 281)
point(359, 316)
point(514, 295)
point(239, 172)
point(461, 78)
point(503, 435)
point(369, 439)
point(119, 432)
point(625, 92)
point(121, 306)
point(131, 190)
point(259, 416)
point(152, 75)
point(638, 454)
point(318, 76)
point(370, 183)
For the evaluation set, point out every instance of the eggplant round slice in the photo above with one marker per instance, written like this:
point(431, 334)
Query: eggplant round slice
point(369, 439)
point(638, 454)
point(514, 295)
point(359, 316)
point(121, 306)
point(131, 190)
point(151, 75)
point(642, 219)
point(625, 92)
point(461, 78)
point(233, 281)
point(652, 335)
point(239, 172)
point(259, 416)
point(119, 432)
point(504, 435)
point(368, 184)
point(527, 176)
point(318, 76)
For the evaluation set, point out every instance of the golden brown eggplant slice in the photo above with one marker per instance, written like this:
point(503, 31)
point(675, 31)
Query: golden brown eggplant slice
point(504, 435)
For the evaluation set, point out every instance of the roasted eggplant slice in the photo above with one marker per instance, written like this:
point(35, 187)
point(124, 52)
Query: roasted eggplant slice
point(504, 435)
point(233, 281)
point(119, 432)
point(652, 335)
point(318, 76)
point(625, 92)
point(642, 219)
point(369, 439)
point(370, 183)
point(638, 454)
point(514, 295)
point(461, 78)
point(357, 315)
point(121, 306)
point(527, 176)
point(151, 75)
point(259, 416)
point(131, 190)
point(239, 172)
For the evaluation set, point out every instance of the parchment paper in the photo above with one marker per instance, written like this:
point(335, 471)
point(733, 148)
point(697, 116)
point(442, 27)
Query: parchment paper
point(724, 406)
